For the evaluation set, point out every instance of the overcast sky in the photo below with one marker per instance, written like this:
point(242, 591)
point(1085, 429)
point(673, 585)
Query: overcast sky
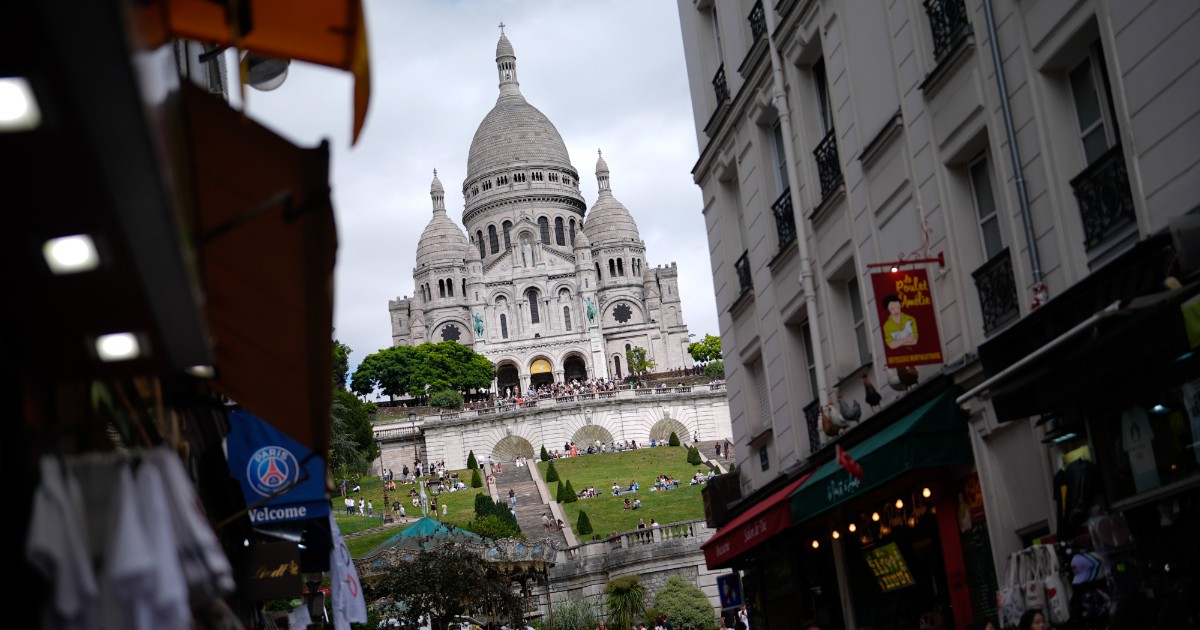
point(608, 74)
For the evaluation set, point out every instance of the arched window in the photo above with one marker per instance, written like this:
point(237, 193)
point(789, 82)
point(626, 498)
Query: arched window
point(620, 268)
point(449, 287)
point(428, 293)
point(612, 268)
point(544, 226)
point(507, 229)
point(617, 365)
point(598, 276)
point(503, 326)
point(532, 296)
point(464, 285)
point(572, 232)
point(567, 317)
point(559, 237)
point(441, 288)
point(493, 240)
point(479, 242)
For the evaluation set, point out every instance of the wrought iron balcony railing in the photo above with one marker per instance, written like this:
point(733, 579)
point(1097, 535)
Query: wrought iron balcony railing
point(812, 418)
point(948, 21)
point(829, 166)
point(997, 291)
point(1105, 202)
point(742, 266)
point(758, 20)
point(785, 221)
point(721, 86)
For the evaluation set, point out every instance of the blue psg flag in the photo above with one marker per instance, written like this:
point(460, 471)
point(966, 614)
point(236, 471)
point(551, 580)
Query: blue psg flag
point(281, 479)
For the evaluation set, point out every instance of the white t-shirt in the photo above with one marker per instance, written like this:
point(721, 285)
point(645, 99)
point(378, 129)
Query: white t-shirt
point(55, 547)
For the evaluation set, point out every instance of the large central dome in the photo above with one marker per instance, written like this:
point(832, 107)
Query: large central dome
point(514, 131)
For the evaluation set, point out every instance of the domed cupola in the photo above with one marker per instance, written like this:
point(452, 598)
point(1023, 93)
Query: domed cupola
point(608, 222)
point(442, 241)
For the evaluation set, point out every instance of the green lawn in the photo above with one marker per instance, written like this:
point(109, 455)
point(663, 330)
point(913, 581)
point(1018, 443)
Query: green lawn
point(607, 512)
point(361, 545)
point(460, 506)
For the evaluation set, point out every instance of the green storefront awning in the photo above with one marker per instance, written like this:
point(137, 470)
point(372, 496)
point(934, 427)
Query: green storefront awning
point(933, 435)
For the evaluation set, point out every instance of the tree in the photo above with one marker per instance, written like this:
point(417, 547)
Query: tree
point(472, 463)
point(551, 472)
point(571, 497)
point(561, 495)
point(545, 455)
point(625, 601)
point(693, 457)
point(446, 399)
point(476, 479)
point(715, 370)
point(352, 440)
point(705, 350)
point(637, 361)
point(583, 526)
point(417, 370)
point(684, 604)
point(341, 364)
point(674, 440)
point(444, 584)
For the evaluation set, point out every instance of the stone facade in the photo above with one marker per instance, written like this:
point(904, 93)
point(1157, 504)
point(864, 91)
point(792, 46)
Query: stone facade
point(532, 285)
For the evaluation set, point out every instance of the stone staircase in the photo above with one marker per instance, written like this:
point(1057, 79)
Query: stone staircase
point(529, 502)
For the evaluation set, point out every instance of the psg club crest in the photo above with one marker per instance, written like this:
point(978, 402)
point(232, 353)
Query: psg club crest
point(271, 468)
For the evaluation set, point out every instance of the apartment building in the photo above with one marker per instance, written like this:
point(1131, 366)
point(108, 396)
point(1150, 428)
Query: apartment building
point(1023, 174)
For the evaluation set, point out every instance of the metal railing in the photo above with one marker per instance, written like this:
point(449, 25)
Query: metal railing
point(1105, 202)
point(829, 166)
point(685, 530)
point(948, 21)
point(997, 290)
point(785, 221)
point(742, 267)
point(721, 86)
point(758, 20)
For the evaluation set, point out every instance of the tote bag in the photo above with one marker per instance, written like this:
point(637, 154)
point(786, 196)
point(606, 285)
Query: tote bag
point(1033, 588)
point(1010, 601)
point(1058, 592)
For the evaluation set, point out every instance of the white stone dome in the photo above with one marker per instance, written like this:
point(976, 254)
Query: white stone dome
point(609, 221)
point(442, 240)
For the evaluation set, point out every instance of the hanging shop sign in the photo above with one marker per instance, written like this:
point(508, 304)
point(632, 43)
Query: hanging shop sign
point(908, 319)
point(281, 479)
point(889, 567)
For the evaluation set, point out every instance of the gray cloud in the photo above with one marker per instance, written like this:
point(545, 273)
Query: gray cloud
point(610, 75)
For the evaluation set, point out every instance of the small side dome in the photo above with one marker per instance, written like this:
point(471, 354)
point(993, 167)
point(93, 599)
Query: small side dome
point(609, 221)
point(581, 239)
point(441, 241)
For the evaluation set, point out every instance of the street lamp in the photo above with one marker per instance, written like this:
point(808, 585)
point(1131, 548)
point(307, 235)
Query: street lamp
point(412, 424)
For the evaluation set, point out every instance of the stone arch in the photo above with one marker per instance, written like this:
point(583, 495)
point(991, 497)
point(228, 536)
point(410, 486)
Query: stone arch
point(508, 374)
point(663, 429)
point(545, 370)
point(512, 446)
point(574, 366)
point(589, 434)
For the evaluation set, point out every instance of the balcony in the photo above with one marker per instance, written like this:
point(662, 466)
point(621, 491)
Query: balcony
point(721, 86)
point(742, 266)
point(758, 20)
point(785, 221)
point(812, 418)
point(948, 21)
point(1105, 203)
point(829, 167)
point(997, 291)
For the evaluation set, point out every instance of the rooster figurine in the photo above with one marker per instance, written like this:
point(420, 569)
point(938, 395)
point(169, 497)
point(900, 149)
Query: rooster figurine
point(872, 396)
point(848, 412)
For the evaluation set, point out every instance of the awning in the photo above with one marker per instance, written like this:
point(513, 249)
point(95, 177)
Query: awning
point(933, 435)
point(755, 526)
point(266, 242)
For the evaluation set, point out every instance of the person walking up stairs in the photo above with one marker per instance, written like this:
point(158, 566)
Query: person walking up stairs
point(515, 483)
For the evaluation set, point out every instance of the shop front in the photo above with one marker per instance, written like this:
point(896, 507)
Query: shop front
point(1109, 377)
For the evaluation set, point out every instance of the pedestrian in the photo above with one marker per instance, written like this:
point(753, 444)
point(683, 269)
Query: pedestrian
point(744, 617)
point(1033, 619)
point(512, 500)
point(349, 506)
point(361, 507)
point(546, 522)
point(402, 514)
point(444, 509)
point(370, 508)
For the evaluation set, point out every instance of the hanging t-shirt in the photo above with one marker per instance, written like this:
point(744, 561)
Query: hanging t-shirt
point(169, 596)
point(55, 547)
point(1137, 438)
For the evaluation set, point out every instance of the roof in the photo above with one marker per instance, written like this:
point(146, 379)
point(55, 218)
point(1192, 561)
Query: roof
point(515, 131)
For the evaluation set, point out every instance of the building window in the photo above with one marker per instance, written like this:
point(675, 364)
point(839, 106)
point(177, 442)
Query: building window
point(450, 288)
point(493, 240)
point(809, 362)
point(479, 242)
point(532, 296)
point(572, 232)
point(857, 314)
point(985, 207)
point(567, 318)
point(503, 326)
point(824, 106)
point(764, 458)
point(612, 268)
point(464, 288)
point(780, 155)
point(507, 242)
point(620, 268)
point(559, 236)
point(598, 276)
point(441, 288)
point(617, 365)
point(759, 377)
point(544, 226)
point(1093, 105)
point(716, 26)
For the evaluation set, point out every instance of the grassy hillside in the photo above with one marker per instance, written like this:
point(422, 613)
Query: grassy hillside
point(607, 512)
point(460, 505)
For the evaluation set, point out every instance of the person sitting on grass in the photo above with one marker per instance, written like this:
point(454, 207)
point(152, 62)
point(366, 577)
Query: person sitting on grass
point(637, 504)
point(628, 505)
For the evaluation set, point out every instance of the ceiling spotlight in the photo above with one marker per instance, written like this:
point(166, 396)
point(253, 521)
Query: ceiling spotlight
point(927, 493)
point(895, 269)
point(1159, 408)
point(70, 254)
point(899, 504)
point(816, 544)
point(852, 528)
point(836, 535)
point(117, 347)
point(875, 516)
point(201, 371)
point(18, 106)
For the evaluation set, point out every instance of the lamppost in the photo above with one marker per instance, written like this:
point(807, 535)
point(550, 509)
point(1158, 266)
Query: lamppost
point(412, 424)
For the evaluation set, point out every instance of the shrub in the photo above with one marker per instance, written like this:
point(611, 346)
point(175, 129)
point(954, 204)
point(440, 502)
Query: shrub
point(561, 495)
point(684, 604)
point(573, 614)
point(626, 601)
point(732, 466)
point(545, 455)
point(551, 472)
point(693, 456)
point(583, 526)
point(674, 441)
point(493, 526)
point(472, 463)
point(446, 399)
point(715, 371)
point(571, 498)
point(476, 479)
